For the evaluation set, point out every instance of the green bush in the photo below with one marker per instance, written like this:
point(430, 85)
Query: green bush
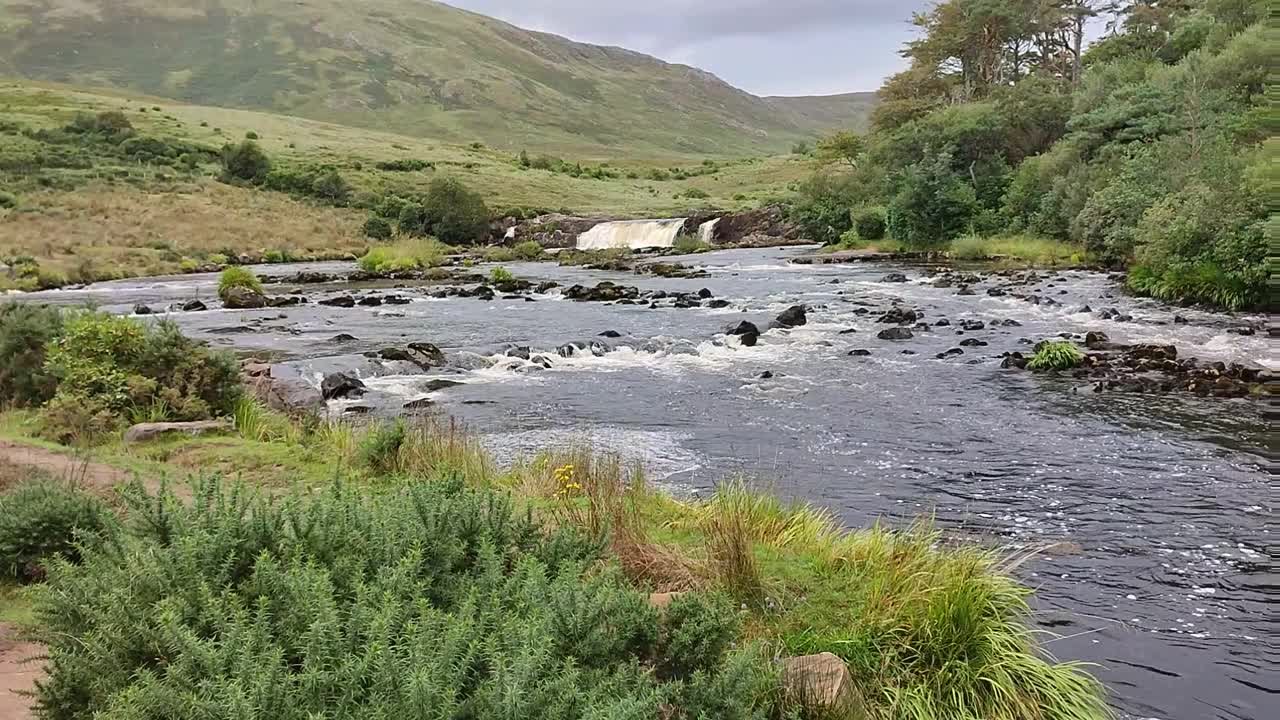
point(500, 275)
point(8, 200)
point(456, 215)
point(109, 368)
point(331, 186)
point(498, 253)
point(1056, 356)
point(424, 601)
point(933, 204)
point(407, 165)
point(406, 255)
point(251, 135)
point(380, 447)
point(529, 250)
point(696, 194)
point(246, 162)
point(237, 277)
point(870, 223)
point(377, 228)
point(25, 332)
point(41, 519)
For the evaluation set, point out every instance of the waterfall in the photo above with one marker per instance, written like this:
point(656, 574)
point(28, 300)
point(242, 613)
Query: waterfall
point(707, 231)
point(633, 234)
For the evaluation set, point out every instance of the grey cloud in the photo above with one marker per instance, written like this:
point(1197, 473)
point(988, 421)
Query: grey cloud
point(768, 47)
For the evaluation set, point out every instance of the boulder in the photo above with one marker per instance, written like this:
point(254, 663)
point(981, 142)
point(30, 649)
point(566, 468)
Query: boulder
point(973, 342)
point(142, 310)
point(894, 277)
point(145, 432)
point(611, 334)
point(859, 353)
point(424, 355)
point(343, 338)
point(822, 683)
point(243, 298)
point(744, 328)
point(1150, 351)
point(896, 333)
point(1095, 339)
point(972, 325)
point(342, 301)
point(953, 352)
point(194, 306)
point(439, 384)
point(420, 404)
point(900, 316)
point(285, 301)
point(520, 352)
point(341, 385)
point(289, 395)
point(717, 304)
point(370, 301)
point(794, 316)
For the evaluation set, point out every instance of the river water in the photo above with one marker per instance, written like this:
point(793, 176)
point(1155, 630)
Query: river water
point(1165, 499)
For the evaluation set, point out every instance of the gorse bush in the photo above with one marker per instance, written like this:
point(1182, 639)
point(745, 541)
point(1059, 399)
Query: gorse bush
point(25, 332)
point(870, 223)
point(41, 519)
point(109, 368)
point(237, 277)
point(377, 228)
point(1055, 356)
point(430, 601)
point(245, 161)
point(457, 215)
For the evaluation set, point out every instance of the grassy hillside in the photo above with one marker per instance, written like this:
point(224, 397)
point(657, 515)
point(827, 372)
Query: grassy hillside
point(84, 211)
point(409, 66)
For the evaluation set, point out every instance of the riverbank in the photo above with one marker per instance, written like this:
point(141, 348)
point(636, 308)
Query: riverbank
point(931, 627)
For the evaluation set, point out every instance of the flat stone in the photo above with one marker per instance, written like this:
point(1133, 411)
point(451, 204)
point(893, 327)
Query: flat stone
point(145, 432)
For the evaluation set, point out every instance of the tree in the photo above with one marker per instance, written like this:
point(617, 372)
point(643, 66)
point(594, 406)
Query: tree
point(456, 214)
point(844, 146)
point(934, 204)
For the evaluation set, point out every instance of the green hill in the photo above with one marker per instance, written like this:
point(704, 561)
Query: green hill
point(407, 66)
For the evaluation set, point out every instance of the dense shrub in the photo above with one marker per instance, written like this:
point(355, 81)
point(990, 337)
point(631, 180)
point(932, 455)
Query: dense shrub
point(329, 185)
point(430, 601)
point(377, 228)
point(933, 204)
point(25, 330)
point(870, 223)
point(406, 255)
point(456, 214)
point(500, 275)
point(40, 519)
point(111, 125)
point(237, 277)
point(406, 165)
point(112, 369)
point(8, 200)
point(245, 161)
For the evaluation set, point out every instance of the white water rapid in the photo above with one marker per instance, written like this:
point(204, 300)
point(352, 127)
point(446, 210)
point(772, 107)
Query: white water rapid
point(633, 234)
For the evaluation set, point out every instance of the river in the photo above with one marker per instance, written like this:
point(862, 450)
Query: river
point(1164, 500)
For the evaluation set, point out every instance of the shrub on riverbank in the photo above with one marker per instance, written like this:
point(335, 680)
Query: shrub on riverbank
point(110, 370)
point(406, 255)
point(378, 604)
point(41, 519)
point(1027, 248)
point(25, 332)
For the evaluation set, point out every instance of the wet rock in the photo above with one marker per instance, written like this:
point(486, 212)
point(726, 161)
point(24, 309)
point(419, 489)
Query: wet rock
point(718, 304)
point(766, 375)
point(438, 384)
point(1179, 320)
point(341, 385)
point(358, 410)
point(861, 311)
point(570, 349)
point(1007, 322)
point(894, 277)
point(744, 328)
point(969, 291)
point(1242, 330)
point(611, 334)
point(420, 404)
point(370, 301)
point(953, 352)
point(705, 294)
point(993, 292)
point(142, 310)
point(342, 301)
point(1084, 309)
point(942, 323)
point(602, 292)
point(483, 292)
point(973, 342)
point(308, 278)
point(146, 432)
point(900, 316)
point(749, 339)
point(542, 361)
point(545, 287)
point(280, 301)
point(1014, 360)
point(687, 301)
point(848, 331)
point(1151, 351)
point(897, 333)
point(520, 352)
point(242, 298)
point(860, 352)
point(194, 306)
point(1095, 339)
point(908, 352)
point(794, 316)
point(396, 300)
point(343, 338)
point(972, 325)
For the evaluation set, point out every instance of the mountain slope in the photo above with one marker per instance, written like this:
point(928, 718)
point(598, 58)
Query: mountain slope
point(409, 66)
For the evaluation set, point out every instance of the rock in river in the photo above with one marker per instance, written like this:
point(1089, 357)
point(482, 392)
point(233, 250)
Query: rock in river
point(896, 333)
point(794, 316)
point(243, 298)
point(342, 301)
point(894, 277)
point(899, 316)
point(341, 385)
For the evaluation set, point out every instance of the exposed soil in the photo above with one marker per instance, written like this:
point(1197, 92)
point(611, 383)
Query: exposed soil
point(17, 674)
point(16, 456)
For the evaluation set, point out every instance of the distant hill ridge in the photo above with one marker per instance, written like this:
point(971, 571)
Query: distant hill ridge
point(410, 66)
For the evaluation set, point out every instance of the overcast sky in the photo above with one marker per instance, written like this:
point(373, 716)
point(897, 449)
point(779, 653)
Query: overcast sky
point(768, 47)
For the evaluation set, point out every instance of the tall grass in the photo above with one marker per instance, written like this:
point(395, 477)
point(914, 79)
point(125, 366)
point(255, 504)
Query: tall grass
point(255, 421)
point(423, 448)
point(1025, 248)
point(406, 255)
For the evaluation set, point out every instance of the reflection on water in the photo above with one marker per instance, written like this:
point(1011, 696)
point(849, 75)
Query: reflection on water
point(1165, 498)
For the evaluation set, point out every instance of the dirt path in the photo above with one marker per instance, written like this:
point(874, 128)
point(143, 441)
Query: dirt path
point(17, 456)
point(16, 674)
